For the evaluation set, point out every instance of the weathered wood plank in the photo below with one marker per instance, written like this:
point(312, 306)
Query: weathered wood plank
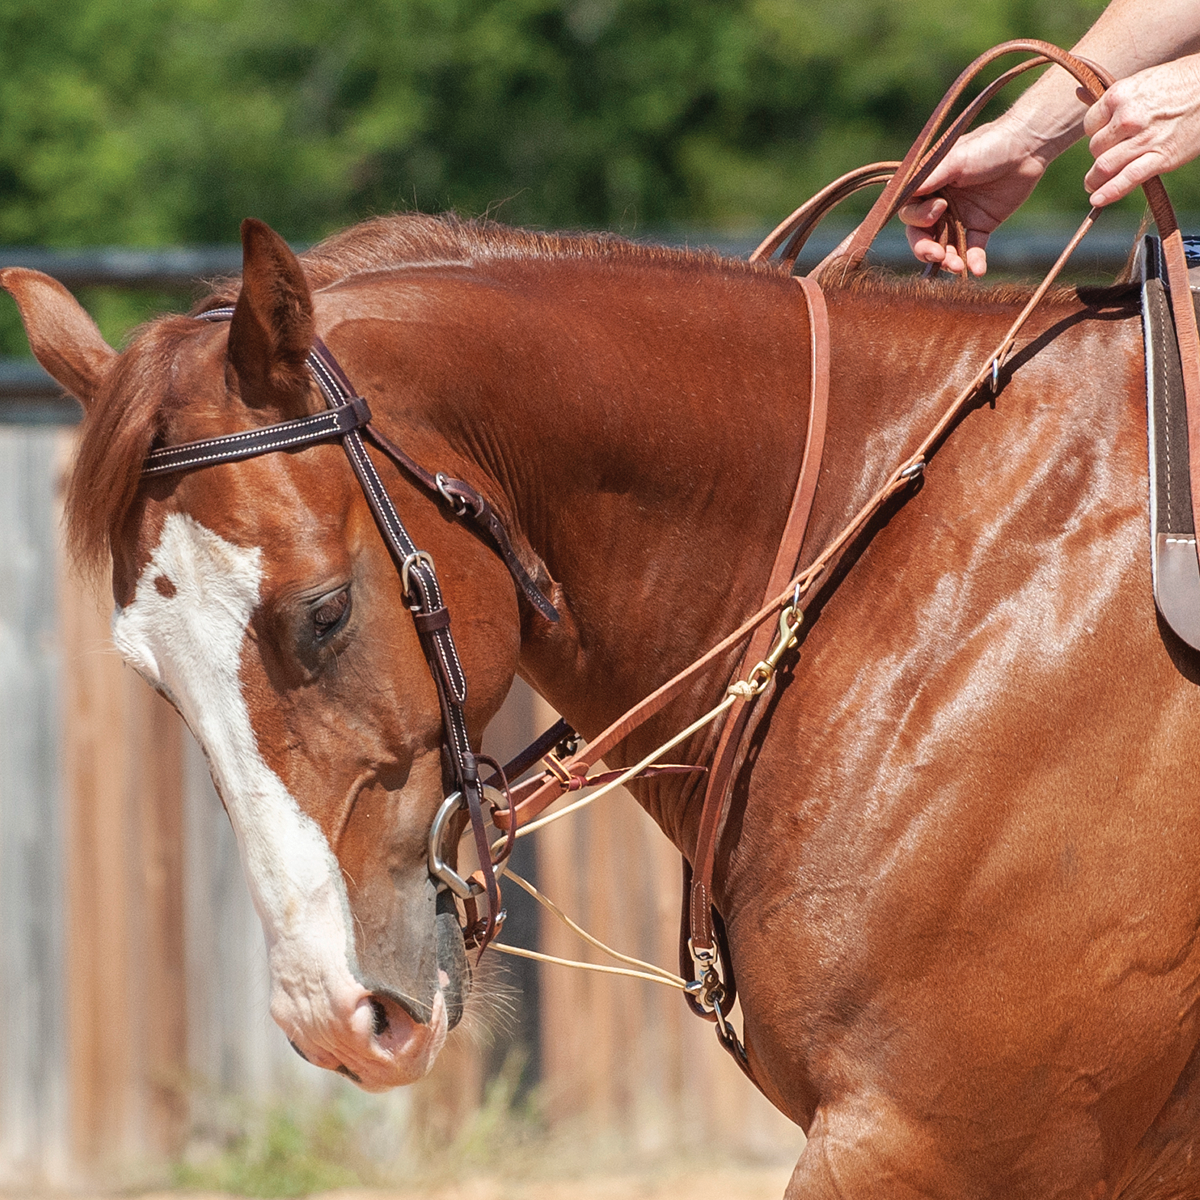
point(128, 999)
point(622, 1057)
point(33, 1106)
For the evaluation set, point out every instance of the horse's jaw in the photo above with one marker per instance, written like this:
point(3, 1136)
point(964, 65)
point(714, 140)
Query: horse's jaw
point(183, 631)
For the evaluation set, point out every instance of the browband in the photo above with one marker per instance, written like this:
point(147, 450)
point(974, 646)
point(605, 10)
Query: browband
point(287, 435)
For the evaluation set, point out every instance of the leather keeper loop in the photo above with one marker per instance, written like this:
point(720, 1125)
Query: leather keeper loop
point(431, 622)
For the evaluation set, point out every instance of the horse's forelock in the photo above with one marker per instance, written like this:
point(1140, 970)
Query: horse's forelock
point(116, 436)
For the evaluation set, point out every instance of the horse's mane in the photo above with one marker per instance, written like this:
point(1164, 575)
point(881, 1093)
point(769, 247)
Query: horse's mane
point(131, 409)
point(416, 239)
point(881, 283)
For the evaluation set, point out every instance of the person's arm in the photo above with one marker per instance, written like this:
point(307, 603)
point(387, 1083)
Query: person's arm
point(1143, 125)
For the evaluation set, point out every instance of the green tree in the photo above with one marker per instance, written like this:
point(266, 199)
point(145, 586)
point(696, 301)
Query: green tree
point(148, 121)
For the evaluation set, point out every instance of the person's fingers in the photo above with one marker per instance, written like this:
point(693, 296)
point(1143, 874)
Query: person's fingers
point(976, 255)
point(929, 250)
point(953, 260)
point(1113, 161)
point(1125, 180)
point(1099, 114)
point(922, 213)
point(924, 248)
point(1127, 124)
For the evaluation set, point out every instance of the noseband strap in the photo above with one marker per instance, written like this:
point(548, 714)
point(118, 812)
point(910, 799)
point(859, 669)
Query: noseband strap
point(347, 418)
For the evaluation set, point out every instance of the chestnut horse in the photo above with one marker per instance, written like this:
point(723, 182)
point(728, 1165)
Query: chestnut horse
point(961, 875)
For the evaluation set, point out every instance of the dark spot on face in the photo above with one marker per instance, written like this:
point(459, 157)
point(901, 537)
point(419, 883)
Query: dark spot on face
point(164, 587)
point(349, 1074)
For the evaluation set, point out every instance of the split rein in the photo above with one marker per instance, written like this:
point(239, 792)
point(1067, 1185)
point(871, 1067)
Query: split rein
point(711, 990)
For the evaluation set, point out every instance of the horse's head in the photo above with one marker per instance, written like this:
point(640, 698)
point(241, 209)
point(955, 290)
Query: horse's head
point(258, 597)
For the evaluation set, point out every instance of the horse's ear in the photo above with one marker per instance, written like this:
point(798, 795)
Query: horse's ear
point(63, 338)
point(272, 331)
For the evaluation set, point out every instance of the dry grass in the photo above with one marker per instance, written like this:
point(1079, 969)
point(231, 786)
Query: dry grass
point(723, 1183)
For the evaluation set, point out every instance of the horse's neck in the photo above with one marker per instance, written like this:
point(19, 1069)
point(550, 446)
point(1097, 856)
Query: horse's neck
point(664, 531)
point(666, 484)
point(661, 455)
point(646, 428)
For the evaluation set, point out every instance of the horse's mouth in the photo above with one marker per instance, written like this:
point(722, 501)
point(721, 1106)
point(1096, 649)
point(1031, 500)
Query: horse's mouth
point(453, 976)
point(454, 972)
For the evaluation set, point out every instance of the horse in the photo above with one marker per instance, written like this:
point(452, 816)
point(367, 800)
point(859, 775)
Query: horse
point(960, 875)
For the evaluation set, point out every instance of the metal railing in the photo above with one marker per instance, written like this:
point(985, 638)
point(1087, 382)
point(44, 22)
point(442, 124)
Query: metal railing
point(28, 396)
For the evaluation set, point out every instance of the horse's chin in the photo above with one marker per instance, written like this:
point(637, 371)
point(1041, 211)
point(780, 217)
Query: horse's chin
point(454, 971)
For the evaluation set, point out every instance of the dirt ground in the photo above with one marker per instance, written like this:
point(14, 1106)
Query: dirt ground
point(723, 1183)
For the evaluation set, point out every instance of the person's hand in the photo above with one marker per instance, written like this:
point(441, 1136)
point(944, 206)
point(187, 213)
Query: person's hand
point(1143, 125)
point(989, 174)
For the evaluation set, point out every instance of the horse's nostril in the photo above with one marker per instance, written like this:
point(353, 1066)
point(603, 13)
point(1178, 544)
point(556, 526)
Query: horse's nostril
point(380, 1015)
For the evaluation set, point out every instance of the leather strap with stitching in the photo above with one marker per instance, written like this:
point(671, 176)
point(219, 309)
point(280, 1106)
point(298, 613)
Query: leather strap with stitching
point(286, 435)
point(732, 738)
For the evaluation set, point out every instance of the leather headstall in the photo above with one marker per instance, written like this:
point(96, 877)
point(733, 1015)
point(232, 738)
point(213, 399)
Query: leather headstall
point(348, 419)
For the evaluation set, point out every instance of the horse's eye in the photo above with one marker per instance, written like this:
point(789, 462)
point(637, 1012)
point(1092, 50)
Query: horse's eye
point(330, 613)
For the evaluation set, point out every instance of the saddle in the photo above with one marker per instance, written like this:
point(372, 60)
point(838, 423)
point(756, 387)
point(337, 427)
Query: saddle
point(1174, 565)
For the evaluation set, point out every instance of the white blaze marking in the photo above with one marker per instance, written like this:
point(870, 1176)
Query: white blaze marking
point(190, 644)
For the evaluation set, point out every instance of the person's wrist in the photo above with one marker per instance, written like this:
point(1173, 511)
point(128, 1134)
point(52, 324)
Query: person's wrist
point(1045, 121)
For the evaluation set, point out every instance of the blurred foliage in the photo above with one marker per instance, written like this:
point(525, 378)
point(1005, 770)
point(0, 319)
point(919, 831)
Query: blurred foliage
point(282, 1151)
point(167, 121)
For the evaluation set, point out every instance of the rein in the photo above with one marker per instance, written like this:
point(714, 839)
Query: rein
point(712, 990)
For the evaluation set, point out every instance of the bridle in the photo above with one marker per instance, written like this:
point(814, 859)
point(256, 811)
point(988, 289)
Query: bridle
point(704, 955)
point(348, 418)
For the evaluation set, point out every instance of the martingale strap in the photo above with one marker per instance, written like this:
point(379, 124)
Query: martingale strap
point(347, 418)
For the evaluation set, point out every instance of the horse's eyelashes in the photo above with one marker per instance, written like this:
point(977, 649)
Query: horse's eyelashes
point(330, 613)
